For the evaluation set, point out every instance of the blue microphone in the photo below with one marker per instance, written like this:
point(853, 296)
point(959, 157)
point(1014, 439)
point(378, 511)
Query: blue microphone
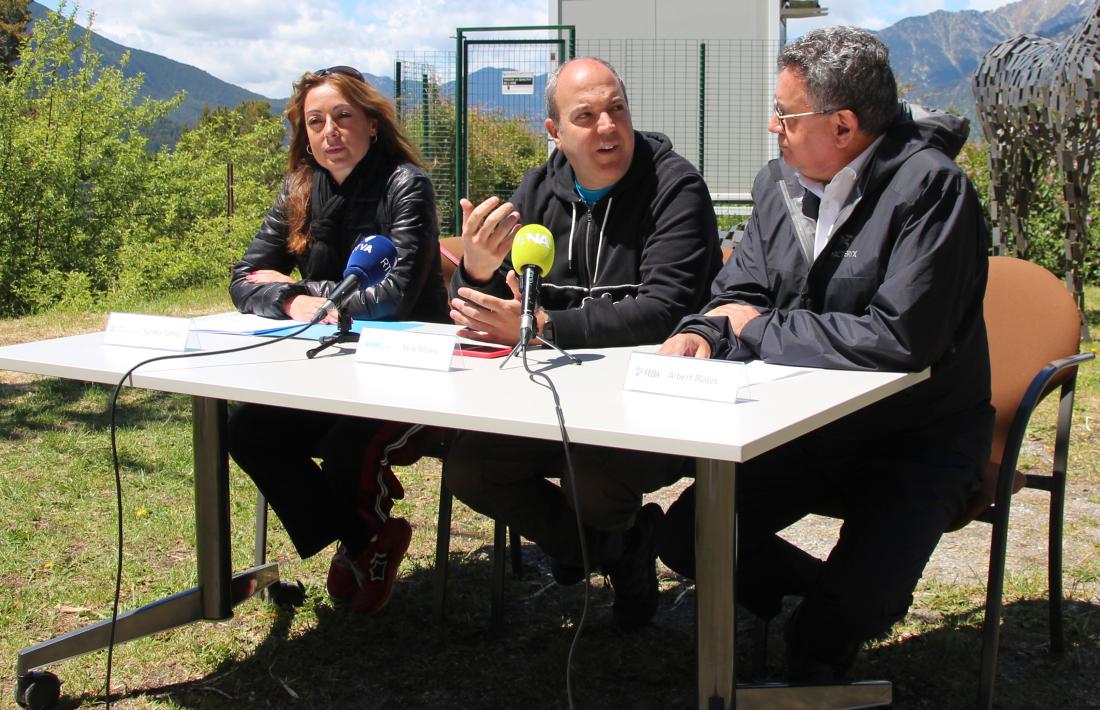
point(370, 261)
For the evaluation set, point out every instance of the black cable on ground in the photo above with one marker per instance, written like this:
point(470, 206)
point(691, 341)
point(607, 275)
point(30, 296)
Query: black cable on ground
point(549, 384)
point(118, 475)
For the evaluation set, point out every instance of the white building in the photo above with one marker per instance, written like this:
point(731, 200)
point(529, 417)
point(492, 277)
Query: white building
point(700, 71)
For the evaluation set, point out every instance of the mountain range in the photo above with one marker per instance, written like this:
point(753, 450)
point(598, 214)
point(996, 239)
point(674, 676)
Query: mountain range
point(933, 56)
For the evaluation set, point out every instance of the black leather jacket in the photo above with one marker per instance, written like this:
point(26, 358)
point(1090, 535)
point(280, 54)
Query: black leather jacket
point(393, 199)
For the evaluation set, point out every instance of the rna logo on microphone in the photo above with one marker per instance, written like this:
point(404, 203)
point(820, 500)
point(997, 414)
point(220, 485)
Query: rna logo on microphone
point(538, 238)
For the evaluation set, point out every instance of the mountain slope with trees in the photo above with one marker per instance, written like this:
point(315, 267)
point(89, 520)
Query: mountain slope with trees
point(935, 55)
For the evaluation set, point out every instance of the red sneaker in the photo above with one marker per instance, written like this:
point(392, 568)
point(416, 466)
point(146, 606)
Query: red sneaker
point(377, 566)
point(342, 584)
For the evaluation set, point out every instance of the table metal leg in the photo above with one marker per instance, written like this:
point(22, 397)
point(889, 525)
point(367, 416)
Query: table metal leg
point(212, 506)
point(716, 614)
point(218, 590)
point(715, 538)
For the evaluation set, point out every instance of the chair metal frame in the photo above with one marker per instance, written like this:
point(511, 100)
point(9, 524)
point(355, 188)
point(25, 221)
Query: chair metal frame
point(501, 540)
point(1045, 381)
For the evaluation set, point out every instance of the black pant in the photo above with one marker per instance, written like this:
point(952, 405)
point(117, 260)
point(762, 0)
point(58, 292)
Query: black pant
point(276, 447)
point(896, 501)
point(504, 477)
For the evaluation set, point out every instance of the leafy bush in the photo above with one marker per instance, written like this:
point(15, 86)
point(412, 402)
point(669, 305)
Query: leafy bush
point(87, 212)
point(186, 236)
point(500, 150)
point(73, 167)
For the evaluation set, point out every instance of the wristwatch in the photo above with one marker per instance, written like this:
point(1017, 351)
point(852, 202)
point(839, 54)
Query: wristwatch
point(548, 328)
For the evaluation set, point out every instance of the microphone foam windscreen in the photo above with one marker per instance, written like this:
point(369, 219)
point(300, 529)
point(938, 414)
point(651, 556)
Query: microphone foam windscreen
point(371, 259)
point(533, 245)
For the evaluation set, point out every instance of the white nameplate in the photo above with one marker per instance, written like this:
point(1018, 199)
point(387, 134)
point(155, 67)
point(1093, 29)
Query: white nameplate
point(716, 380)
point(157, 332)
point(404, 349)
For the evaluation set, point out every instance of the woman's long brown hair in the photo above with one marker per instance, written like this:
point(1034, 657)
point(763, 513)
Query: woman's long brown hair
point(301, 165)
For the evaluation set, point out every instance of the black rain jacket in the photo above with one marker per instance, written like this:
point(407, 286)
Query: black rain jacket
point(898, 287)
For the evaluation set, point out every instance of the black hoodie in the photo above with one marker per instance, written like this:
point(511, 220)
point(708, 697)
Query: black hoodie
point(628, 269)
point(898, 287)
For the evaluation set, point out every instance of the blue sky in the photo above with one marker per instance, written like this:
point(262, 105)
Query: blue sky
point(263, 45)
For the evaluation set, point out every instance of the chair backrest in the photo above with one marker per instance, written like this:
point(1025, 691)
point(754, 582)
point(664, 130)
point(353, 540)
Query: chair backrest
point(1031, 319)
point(450, 251)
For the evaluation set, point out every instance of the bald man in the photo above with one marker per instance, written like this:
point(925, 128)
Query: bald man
point(636, 249)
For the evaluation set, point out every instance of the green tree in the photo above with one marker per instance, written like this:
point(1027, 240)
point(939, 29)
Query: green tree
point(188, 233)
point(500, 149)
point(73, 169)
point(14, 16)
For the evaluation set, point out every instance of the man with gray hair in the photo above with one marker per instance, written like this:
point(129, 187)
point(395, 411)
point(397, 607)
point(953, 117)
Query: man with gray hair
point(866, 250)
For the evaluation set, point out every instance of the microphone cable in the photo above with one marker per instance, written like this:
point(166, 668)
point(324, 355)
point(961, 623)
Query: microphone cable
point(118, 474)
point(549, 384)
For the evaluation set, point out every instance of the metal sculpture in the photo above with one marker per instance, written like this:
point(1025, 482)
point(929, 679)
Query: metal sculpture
point(1038, 99)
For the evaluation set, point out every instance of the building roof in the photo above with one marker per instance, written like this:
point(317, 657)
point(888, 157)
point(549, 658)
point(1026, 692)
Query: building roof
point(798, 9)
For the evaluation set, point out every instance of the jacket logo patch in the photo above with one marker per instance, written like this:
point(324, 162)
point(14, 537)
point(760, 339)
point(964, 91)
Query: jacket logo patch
point(845, 254)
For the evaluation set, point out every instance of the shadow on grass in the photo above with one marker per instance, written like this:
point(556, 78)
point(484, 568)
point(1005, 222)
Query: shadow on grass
point(940, 668)
point(56, 404)
point(402, 658)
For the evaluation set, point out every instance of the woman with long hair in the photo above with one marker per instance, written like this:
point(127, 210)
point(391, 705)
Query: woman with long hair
point(352, 173)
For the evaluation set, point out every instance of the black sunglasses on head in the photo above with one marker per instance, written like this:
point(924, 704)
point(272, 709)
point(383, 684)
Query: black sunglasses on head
point(346, 71)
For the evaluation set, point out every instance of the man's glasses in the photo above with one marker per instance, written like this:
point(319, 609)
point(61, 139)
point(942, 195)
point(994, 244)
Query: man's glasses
point(346, 71)
point(784, 116)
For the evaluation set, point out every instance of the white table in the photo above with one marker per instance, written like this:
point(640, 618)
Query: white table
point(475, 395)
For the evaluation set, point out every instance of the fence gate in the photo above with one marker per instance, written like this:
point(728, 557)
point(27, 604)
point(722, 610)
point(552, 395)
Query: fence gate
point(478, 114)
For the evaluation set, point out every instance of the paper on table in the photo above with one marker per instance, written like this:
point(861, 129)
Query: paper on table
point(239, 323)
point(758, 372)
point(249, 324)
point(320, 330)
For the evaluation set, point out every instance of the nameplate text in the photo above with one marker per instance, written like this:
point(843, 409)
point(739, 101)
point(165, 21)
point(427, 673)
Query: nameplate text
point(715, 380)
point(404, 349)
point(156, 332)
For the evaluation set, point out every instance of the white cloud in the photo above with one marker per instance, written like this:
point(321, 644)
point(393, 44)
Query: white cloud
point(264, 45)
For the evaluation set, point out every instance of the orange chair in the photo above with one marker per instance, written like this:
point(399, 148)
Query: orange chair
point(1034, 330)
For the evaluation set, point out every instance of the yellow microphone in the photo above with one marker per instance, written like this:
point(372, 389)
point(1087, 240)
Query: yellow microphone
point(532, 257)
point(533, 245)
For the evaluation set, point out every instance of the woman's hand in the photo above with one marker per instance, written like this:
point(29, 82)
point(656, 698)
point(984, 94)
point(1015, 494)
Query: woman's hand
point(268, 276)
point(302, 308)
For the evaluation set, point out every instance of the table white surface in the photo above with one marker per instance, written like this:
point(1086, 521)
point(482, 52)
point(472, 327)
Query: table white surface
point(478, 395)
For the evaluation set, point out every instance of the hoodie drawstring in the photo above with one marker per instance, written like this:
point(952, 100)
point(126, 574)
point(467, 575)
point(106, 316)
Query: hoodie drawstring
point(572, 227)
point(599, 244)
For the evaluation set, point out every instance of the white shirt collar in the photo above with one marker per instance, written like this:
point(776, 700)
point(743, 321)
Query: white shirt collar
point(835, 194)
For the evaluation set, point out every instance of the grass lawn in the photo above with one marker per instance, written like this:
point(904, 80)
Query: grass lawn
point(57, 556)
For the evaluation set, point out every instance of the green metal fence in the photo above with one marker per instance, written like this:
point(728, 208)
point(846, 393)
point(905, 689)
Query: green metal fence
point(478, 113)
point(712, 98)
